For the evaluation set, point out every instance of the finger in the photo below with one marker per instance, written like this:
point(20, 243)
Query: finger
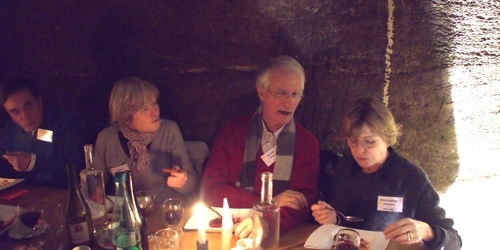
point(325, 204)
point(302, 200)
point(241, 229)
point(245, 233)
point(291, 204)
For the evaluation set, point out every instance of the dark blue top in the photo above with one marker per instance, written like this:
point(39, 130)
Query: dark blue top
point(356, 193)
point(51, 157)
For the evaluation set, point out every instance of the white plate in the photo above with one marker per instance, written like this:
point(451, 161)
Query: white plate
point(6, 212)
point(322, 238)
point(236, 212)
point(7, 183)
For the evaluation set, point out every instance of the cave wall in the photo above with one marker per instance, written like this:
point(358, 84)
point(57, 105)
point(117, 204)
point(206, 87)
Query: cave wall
point(203, 56)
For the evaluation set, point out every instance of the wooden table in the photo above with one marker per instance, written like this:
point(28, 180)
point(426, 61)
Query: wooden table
point(293, 239)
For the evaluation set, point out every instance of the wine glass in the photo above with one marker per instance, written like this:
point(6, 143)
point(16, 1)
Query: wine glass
point(173, 211)
point(50, 228)
point(166, 239)
point(28, 214)
point(145, 202)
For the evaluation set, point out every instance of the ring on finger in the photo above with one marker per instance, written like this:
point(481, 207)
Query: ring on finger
point(409, 236)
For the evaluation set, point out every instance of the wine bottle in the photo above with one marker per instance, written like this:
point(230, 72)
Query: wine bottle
point(266, 222)
point(78, 217)
point(126, 220)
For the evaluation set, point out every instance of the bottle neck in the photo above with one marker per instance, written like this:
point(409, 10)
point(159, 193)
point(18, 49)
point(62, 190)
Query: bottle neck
point(266, 194)
point(89, 157)
point(72, 178)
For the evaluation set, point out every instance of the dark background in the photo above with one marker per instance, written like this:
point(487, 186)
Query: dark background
point(203, 56)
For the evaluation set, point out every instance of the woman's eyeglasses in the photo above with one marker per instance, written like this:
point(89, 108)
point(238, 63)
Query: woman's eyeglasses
point(365, 143)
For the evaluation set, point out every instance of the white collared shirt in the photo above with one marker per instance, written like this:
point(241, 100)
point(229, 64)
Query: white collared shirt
point(269, 139)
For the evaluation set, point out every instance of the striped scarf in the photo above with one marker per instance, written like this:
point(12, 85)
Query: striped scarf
point(284, 155)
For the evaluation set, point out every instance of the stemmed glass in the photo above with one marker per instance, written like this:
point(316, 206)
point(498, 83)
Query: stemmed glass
point(28, 223)
point(173, 211)
point(145, 202)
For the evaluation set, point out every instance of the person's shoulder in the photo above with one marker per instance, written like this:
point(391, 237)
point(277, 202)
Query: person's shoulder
point(412, 170)
point(107, 133)
point(166, 123)
point(242, 122)
point(304, 134)
point(168, 127)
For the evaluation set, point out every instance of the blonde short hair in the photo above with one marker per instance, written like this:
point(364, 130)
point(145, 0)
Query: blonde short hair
point(373, 113)
point(128, 96)
point(285, 62)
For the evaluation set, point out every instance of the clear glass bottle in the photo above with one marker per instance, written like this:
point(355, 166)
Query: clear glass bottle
point(92, 187)
point(78, 217)
point(126, 223)
point(266, 219)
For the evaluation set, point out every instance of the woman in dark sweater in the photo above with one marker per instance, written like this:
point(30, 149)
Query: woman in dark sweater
point(372, 181)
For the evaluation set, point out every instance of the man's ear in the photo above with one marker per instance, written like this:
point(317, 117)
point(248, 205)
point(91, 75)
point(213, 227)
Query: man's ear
point(260, 91)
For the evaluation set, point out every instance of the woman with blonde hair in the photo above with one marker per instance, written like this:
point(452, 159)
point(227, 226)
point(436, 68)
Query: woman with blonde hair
point(375, 183)
point(140, 141)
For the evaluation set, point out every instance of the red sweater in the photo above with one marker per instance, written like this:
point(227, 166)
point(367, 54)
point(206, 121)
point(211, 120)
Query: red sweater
point(226, 160)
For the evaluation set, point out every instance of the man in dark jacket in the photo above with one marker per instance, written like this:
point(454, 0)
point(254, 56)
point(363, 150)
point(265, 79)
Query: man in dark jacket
point(39, 140)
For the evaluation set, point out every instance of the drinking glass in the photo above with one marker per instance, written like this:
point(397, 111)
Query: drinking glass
point(346, 239)
point(49, 233)
point(28, 218)
point(180, 232)
point(145, 202)
point(173, 211)
point(166, 239)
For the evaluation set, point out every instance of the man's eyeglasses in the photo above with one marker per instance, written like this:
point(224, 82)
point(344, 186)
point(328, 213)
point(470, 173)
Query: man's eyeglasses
point(284, 95)
point(365, 143)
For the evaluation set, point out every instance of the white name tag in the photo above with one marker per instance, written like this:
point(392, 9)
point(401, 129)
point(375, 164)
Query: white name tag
point(390, 204)
point(120, 168)
point(44, 135)
point(270, 156)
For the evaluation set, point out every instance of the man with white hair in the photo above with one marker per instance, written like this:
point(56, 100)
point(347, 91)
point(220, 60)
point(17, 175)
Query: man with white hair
point(267, 141)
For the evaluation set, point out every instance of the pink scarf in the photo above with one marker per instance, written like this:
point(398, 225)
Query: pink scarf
point(137, 147)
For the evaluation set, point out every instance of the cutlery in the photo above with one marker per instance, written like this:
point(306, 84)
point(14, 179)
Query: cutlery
point(349, 218)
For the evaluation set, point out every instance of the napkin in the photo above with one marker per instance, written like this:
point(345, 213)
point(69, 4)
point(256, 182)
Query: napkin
point(13, 193)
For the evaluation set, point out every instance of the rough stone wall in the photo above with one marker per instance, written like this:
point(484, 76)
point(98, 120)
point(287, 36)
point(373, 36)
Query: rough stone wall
point(203, 56)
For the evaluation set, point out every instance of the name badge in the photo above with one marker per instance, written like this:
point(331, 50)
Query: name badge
point(120, 168)
point(270, 156)
point(390, 204)
point(44, 135)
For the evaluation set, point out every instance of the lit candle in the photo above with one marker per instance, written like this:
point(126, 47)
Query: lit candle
point(201, 220)
point(227, 224)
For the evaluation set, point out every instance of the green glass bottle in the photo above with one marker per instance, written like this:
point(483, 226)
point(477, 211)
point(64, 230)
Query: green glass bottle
point(126, 228)
point(140, 220)
point(78, 217)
